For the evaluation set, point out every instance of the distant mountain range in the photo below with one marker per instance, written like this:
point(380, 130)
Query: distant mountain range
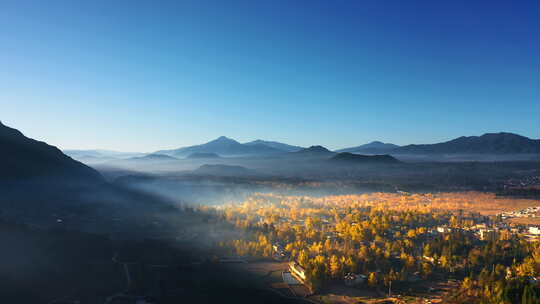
point(490, 143)
point(224, 146)
point(375, 147)
point(22, 158)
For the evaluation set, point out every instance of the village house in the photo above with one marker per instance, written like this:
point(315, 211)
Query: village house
point(534, 230)
point(297, 271)
point(486, 234)
point(444, 229)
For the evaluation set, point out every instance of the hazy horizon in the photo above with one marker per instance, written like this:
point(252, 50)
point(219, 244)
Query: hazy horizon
point(242, 142)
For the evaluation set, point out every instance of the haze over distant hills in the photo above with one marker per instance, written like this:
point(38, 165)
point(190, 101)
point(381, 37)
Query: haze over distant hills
point(491, 143)
point(202, 155)
point(100, 154)
point(24, 158)
point(153, 157)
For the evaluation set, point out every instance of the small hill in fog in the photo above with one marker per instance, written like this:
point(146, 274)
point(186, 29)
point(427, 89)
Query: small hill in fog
point(203, 155)
point(24, 158)
point(314, 151)
point(375, 147)
point(365, 159)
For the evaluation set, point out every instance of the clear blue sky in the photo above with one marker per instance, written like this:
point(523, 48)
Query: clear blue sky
point(148, 75)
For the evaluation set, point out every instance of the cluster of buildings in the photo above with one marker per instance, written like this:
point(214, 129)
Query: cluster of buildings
point(486, 232)
point(298, 274)
point(527, 212)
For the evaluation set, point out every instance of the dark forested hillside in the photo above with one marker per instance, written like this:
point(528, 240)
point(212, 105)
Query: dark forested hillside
point(25, 158)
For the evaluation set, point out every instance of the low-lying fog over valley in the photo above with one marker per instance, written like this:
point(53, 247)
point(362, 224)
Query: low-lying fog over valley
point(224, 169)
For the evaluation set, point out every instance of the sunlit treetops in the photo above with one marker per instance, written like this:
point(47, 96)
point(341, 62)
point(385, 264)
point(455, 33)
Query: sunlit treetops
point(385, 236)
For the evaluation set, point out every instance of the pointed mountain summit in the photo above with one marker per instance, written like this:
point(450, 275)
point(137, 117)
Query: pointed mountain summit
point(23, 158)
point(223, 140)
